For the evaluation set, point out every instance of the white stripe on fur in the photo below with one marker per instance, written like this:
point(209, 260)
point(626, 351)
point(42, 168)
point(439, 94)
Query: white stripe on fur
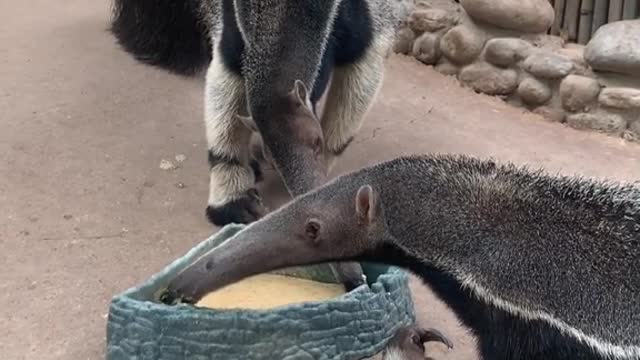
point(353, 89)
point(601, 346)
point(226, 135)
point(393, 354)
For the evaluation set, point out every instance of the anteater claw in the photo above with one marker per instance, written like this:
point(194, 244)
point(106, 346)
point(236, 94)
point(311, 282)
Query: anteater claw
point(430, 335)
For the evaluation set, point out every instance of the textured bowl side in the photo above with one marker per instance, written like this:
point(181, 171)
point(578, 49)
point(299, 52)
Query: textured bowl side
point(352, 326)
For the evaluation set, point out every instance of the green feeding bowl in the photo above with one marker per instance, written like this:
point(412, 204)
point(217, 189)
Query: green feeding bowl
point(352, 326)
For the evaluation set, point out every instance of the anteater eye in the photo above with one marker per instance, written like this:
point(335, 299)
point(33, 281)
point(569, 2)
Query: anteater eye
point(312, 229)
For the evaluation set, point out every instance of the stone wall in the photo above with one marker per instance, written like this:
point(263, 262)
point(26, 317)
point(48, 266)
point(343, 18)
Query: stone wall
point(500, 48)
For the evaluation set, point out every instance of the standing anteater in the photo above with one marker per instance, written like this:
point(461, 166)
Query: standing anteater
point(256, 50)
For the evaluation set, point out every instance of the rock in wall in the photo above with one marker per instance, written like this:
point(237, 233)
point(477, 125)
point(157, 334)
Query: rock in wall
point(500, 47)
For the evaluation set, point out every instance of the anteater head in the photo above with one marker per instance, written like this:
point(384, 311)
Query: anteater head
point(333, 223)
point(292, 137)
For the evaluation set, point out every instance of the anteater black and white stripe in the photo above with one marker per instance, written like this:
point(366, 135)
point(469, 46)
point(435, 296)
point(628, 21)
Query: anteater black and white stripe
point(269, 62)
point(261, 48)
point(538, 267)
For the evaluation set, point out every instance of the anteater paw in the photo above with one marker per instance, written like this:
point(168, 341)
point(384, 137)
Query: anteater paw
point(243, 210)
point(409, 342)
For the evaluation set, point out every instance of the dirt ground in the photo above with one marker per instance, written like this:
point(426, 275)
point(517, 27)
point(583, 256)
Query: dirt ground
point(87, 212)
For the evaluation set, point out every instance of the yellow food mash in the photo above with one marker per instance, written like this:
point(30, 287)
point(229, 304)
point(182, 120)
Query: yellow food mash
point(267, 291)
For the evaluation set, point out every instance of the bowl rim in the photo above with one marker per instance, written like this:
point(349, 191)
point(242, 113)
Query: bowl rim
point(388, 297)
point(384, 276)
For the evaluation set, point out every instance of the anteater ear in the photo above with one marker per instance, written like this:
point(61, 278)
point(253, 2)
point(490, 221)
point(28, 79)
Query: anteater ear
point(302, 92)
point(248, 122)
point(367, 204)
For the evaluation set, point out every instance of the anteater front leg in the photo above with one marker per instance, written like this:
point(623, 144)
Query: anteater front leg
point(353, 89)
point(232, 194)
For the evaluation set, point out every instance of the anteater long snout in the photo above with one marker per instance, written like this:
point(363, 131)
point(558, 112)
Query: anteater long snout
point(254, 250)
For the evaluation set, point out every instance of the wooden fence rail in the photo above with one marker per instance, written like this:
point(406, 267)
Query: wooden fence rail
point(578, 20)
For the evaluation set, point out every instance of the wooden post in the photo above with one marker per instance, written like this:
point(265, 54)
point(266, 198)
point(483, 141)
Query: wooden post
point(600, 14)
point(586, 17)
point(558, 7)
point(572, 16)
point(615, 10)
point(630, 9)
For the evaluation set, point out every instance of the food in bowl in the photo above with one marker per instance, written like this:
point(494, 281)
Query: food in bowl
point(267, 291)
